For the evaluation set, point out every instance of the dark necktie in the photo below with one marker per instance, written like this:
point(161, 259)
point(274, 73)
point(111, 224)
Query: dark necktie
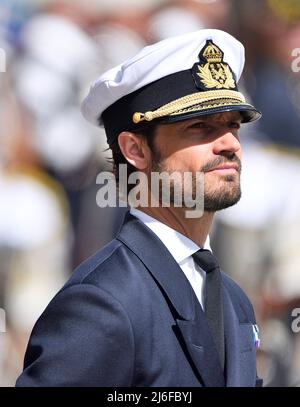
point(213, 298)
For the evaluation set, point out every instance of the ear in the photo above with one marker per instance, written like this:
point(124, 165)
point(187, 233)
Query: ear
point(134, 149)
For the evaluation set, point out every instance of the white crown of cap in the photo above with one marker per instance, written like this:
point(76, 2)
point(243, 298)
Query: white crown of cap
point(157, 61)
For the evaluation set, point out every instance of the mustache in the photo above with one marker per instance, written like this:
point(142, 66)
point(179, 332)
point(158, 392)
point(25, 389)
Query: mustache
point(220, 161)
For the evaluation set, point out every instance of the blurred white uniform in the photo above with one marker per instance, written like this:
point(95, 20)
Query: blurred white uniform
point(34, 246)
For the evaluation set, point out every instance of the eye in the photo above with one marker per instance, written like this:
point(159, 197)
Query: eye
point(234, 124)
point(199, 125)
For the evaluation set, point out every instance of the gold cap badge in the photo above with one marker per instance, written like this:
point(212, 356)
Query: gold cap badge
point(212, 72)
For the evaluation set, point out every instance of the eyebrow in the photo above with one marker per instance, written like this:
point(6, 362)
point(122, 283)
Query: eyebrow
point(214, 119)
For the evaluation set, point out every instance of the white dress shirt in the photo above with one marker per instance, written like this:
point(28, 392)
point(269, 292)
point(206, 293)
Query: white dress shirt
point(181, 248)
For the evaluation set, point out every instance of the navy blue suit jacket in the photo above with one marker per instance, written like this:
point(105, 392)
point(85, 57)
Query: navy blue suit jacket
point(128, 316)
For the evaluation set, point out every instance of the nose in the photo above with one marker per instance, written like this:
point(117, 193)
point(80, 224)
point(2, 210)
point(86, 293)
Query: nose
point(228, 142)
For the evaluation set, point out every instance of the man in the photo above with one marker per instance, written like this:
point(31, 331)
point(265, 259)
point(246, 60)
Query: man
point(152, 308)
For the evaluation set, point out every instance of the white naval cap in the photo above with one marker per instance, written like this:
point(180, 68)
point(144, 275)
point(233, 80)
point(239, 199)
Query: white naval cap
point(175, 79)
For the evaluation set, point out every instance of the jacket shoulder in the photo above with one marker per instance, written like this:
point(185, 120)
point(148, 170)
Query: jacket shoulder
point(97, 262)
point(114, 268)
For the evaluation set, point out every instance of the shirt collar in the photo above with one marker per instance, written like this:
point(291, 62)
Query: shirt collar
point(178, 245)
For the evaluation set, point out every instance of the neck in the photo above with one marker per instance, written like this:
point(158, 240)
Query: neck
point(195, 229)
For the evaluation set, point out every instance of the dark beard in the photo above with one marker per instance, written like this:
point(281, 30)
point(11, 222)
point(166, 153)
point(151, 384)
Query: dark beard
point(228, 196)
point(222, 199)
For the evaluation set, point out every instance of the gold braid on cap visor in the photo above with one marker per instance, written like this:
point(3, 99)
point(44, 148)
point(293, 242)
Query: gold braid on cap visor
point(193, 103)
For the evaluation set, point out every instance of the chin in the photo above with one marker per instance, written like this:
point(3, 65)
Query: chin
point(220, 200)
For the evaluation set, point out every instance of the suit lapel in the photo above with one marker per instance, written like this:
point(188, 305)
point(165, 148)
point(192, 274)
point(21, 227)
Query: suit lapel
point(190, 319)
point(162, 266)
point(201, 347)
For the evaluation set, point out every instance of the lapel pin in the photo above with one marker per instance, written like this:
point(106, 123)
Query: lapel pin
point(256, 336)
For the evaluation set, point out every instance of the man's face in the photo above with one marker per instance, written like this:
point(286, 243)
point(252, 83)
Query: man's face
point(209, 144)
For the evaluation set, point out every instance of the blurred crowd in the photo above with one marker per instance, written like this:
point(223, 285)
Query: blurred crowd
point(51, 50)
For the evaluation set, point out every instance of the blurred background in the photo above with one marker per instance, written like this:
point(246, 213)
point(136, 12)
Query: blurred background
point(51, 50)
